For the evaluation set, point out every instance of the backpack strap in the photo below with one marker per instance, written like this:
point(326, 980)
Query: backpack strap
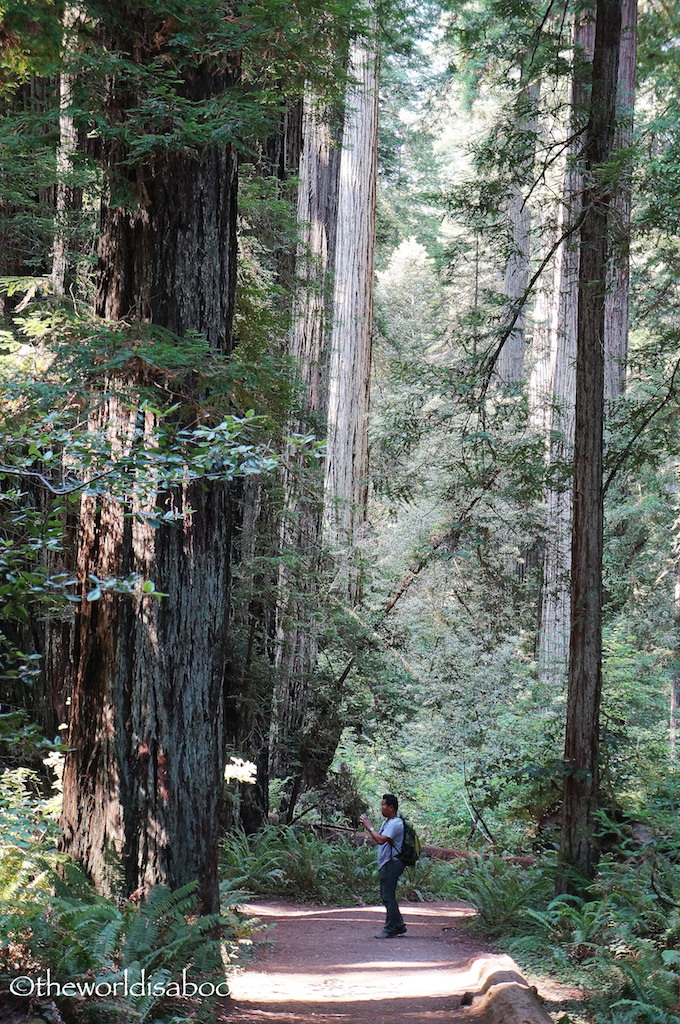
point(390, 840)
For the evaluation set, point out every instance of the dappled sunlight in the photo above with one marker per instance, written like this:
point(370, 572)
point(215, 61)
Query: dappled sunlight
point(386, 965)
point(423, 910)
point(362, 983)
point(411, 910)
point(283, 910)
point(324, 965)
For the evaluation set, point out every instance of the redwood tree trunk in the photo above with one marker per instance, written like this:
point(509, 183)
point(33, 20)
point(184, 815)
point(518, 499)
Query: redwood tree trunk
point(350, 359)
point(144, 773)
point(581, 752)
point(617, 302)
point(172, 260)
point(510, 363)
point(255, 627)
point(301, 524)
point(553, 644)
point(554, 629)
point(68, 198)
point(307, 722)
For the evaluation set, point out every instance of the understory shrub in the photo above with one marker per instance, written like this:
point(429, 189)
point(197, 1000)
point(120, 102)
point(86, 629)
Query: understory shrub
point(282, 860)
point(429, 879)
point(620, 941)
point(125, 958)
point(501, 892)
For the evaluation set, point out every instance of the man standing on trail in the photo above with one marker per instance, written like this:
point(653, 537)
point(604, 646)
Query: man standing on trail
point(390, 839)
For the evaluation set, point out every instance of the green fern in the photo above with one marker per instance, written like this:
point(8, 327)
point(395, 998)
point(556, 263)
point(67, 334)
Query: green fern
point(54, 919)
point(501, 892)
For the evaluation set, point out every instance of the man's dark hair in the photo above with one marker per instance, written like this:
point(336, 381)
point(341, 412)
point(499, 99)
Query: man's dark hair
point(391, 800)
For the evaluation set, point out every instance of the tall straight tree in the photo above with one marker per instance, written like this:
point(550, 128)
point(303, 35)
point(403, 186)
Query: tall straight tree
point(346, 487)
point(301, 524)
point(581, 752)
point(332, 345)
point(554, 627)
point(255, 620)
point(144, 772)
point(559, 377)
point(617, 300)
point(510, 364)
point(67, 197)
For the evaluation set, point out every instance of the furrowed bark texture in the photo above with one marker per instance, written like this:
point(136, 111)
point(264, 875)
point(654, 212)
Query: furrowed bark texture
point(172, 260)
point(553, 646)
point(350, 360)
point(617, 303)
point(581, 752)
point(312, 720)
point(555, 602)
point(349, 374)
point(301, 524)
point(144, 776)
point(337, 191)
point(68, 197)
point(318, 219)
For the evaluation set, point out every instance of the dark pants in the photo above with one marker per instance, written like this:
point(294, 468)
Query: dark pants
point(390, 874)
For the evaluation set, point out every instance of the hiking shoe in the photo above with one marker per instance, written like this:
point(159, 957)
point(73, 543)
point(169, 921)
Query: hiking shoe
point(384, 934)
point(401, 930)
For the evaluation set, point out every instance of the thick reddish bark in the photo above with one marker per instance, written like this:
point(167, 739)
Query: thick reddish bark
point(554, 629)
point(581, 754)
point(68, 198)
point(171, 259)
point(144, 776)
point(334, 355)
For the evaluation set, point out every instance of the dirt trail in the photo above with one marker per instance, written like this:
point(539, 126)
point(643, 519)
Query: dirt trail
point(326, 967)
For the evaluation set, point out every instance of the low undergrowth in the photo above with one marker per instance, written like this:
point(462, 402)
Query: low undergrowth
point(281, 860)
point(501, 892)
point(619, 943)
point(126, 961)
point(285, 861)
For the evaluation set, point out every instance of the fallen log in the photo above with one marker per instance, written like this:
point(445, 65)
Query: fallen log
point(360, 838)
point(503, 996)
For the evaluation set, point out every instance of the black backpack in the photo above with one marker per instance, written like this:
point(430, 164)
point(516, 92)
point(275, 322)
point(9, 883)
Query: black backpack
point(410, 847)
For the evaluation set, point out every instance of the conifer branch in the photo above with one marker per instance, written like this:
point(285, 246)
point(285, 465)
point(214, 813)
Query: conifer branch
point(670, 393)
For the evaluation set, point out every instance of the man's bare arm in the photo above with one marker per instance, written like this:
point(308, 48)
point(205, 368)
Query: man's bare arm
point(378, 836)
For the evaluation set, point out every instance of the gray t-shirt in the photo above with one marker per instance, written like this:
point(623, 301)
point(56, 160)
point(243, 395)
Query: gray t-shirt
point(393, 827)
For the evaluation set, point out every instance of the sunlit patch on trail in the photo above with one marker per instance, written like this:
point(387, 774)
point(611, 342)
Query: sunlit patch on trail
point(359, 983)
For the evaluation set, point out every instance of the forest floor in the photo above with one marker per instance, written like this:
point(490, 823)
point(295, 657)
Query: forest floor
point(323, 965)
